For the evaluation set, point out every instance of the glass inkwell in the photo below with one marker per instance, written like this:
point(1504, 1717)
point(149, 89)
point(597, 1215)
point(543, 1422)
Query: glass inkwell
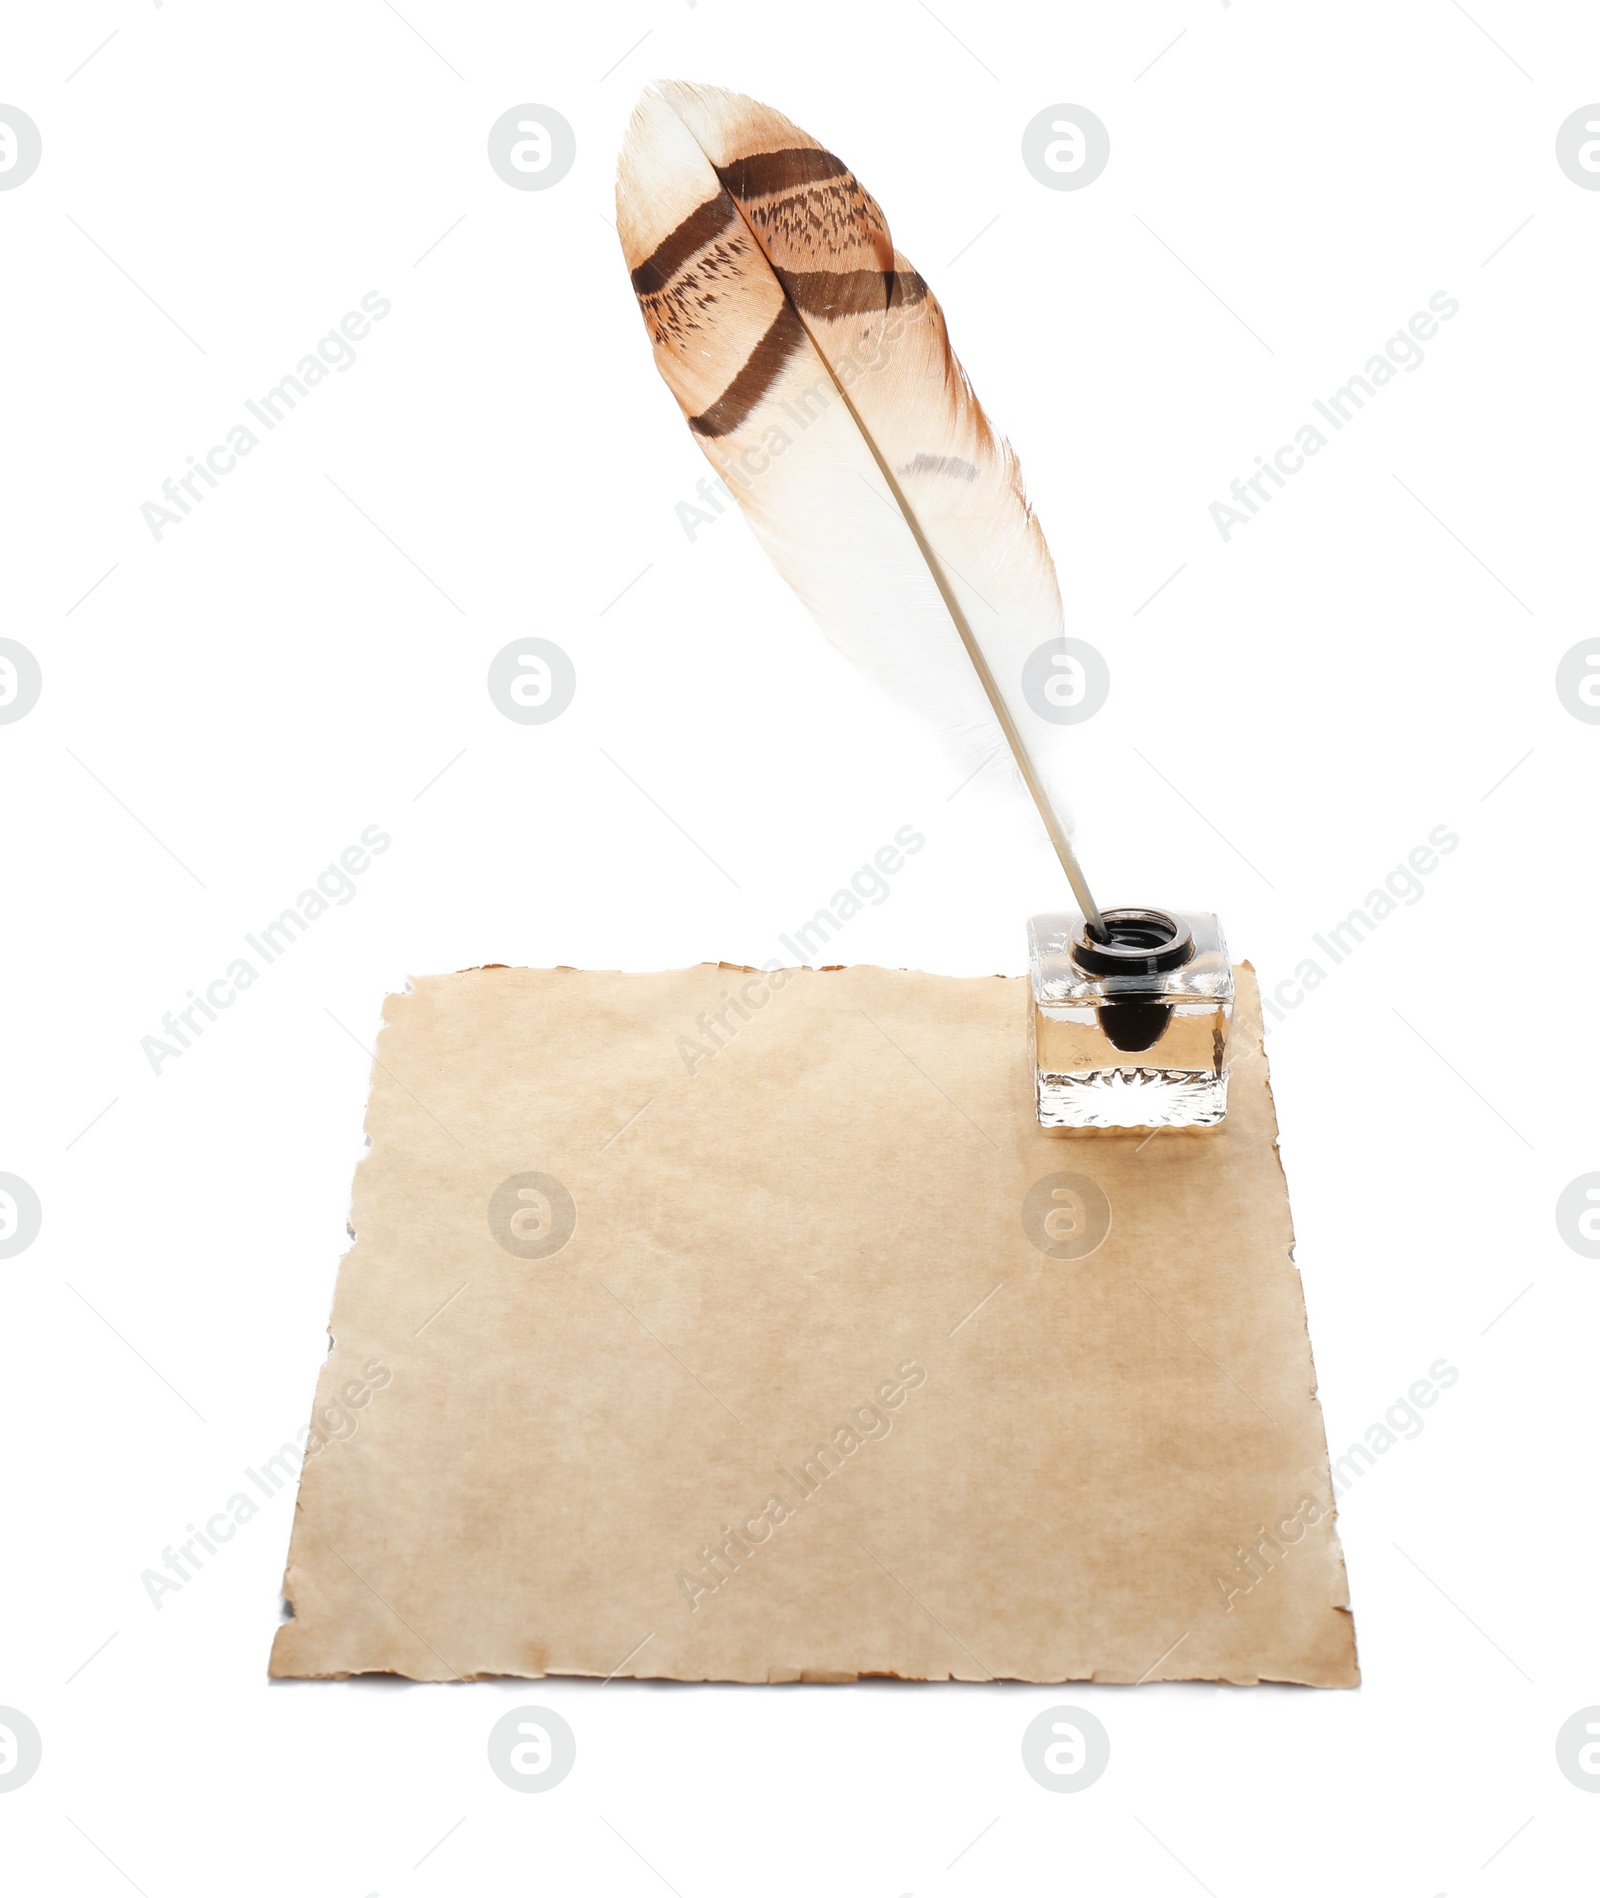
point(1130, 1017)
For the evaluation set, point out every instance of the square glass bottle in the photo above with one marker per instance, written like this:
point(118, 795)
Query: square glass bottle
point(1130, 1031)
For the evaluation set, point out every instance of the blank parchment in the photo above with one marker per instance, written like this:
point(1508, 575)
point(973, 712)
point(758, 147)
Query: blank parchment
point(732, 1325)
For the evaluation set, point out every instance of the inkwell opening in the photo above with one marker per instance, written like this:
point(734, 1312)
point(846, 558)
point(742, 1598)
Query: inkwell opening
point(1136, 942)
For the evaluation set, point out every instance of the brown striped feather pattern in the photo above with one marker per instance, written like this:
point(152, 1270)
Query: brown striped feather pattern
point(812, 364)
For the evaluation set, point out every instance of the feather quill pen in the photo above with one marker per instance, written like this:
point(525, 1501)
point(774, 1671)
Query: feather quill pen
point(812, 363)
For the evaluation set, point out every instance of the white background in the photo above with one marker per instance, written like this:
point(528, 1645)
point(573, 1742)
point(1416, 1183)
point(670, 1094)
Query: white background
point(229, 707)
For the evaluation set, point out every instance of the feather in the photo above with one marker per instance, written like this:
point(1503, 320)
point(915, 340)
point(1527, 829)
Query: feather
point(812, 363)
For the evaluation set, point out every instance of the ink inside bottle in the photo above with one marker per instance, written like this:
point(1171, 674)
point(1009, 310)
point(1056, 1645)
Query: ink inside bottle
point(1130, 1029)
